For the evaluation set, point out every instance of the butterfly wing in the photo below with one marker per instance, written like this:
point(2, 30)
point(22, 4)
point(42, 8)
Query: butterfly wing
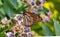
point(30, 18)
point(35, 17)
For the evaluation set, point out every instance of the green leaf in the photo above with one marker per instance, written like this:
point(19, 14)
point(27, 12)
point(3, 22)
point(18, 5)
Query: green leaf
point(19, 3)
point(35, 26)
point(2, 14)
point(57, 27)
point(2, 35)
point(1, 3)
point(46, 30)
point(44, 10)
point(21, 8)
point(9, 11)
point(2, 10)
point(38, 3)
point(12, 3)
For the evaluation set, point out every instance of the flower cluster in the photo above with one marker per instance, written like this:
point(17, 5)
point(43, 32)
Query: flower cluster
point(19, 30)
point(9, 34)
point(37, 5)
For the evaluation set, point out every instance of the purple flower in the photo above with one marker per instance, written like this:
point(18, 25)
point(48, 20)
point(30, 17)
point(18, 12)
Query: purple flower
point(35, 12)
point(47, 19)
point(29, 33)
point(42, 1)
point(27, 29)
point(32, 3)
point(18, 17)
point(40, 7)
point(9, 34)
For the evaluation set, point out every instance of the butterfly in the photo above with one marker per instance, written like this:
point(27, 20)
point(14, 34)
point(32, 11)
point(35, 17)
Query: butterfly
point(30, 18)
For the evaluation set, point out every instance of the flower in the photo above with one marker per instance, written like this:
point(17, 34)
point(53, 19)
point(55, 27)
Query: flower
point(5, 20)
point(32, 3)
point(23, 34)
point(30, 9)
point(35, 12)
point(27, 29)
point(19, 18)
point(9, 34)
point(42, 1)
point(29, 34)
point(40, 7)
point(45, 18)
point(49, 13)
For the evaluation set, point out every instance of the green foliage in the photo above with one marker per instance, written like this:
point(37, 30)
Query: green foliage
point(11, 7)
point(46, 30)
point(57, 27)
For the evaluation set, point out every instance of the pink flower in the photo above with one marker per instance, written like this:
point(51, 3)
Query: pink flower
point(40, 7)
point(45, 18)
point(4, 20)
point(18, 17)
point(49, 13)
